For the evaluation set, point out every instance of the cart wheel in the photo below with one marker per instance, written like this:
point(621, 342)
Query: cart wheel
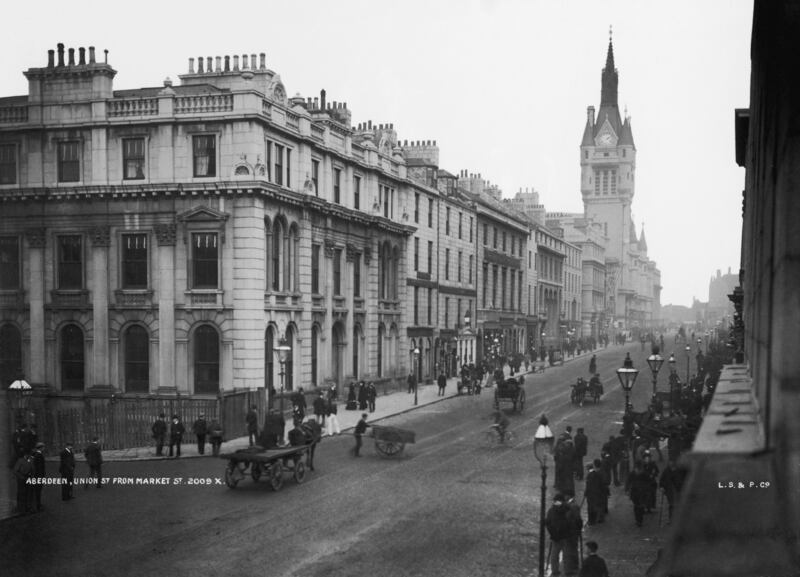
point(276, 476)
point(521, 400)
point(255, 471)
point(389, 448)
point(233, 474)
point(299, 471)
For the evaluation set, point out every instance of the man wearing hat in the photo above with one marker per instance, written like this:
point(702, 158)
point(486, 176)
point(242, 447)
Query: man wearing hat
point(39, 474)
point(67, 471)
point(94, 458)
point(176, 431)
point(564, 530)
point(200, 428)
point(159, 434)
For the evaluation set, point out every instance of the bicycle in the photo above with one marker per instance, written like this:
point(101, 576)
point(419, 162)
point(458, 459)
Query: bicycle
point(492, 437)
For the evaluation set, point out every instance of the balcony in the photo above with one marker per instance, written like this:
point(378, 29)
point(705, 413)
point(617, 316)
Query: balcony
point(12, 299)
point(358, 303)
point(204, 299)
point(134, 299)
point(70, 299)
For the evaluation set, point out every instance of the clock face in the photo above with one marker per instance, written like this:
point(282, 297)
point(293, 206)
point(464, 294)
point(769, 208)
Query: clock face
point(605, 139)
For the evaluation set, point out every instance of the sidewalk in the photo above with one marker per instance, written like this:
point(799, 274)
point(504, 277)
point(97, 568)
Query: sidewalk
point(385, 406)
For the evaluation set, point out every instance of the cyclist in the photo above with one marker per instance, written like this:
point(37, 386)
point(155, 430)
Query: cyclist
point(501, 423)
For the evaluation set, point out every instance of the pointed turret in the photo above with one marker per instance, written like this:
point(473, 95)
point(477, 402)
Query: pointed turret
point(626, 137)
point(642, 241)
point(588, 132)
point(632, 238)
point(608, 92)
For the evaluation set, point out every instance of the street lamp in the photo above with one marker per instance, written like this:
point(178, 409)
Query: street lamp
point(543, 441)
point(688, 358)
point(627, 378)
point(654, 361)
point(20, 392)
point(416, 370)
point(282, 350)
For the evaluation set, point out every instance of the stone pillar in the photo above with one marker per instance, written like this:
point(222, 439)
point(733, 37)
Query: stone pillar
point(100, 239)
point(37, 241)
point(165, 235)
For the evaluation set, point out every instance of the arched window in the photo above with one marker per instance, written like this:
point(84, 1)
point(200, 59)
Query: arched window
point(268, 254)
point(206, 360)
point(10, 354)
point(385, 271)
point(72, 358)
point(293, 244)
point(137, 360)
point(277, 253)
point(314, 360)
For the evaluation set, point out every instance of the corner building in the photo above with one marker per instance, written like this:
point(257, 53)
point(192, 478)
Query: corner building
point(163, 240)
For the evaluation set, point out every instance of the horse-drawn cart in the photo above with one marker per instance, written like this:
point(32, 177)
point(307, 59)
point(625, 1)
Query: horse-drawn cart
point(269, 463)
point(391, 441)
point(510, 391)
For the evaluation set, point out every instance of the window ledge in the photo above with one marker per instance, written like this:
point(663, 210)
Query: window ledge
point(204, 298)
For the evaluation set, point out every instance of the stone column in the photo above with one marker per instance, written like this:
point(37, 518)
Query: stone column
point(100, 239)
point(165, 235)
point(37, 241)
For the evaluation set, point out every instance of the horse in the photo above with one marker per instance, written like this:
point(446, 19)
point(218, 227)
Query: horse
point(311, 435)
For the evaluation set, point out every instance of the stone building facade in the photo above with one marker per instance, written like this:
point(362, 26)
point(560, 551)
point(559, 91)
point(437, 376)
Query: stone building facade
point(165, 239)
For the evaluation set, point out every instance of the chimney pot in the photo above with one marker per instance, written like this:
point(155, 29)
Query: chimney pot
point(60, 54)
point(322, 98)
point(71, 57)
point(218, 64)
point(91, 55)
point(82, 56)
point(51, 55)
point(244, 62)
point(105, 51)
point(209, 64)
point(191, 65)
point(236, 63)
point(200, 66)
point(263, 61)
point(253, 61)
point(227, 64)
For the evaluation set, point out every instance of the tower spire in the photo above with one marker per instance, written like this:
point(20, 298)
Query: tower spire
point(610, 79)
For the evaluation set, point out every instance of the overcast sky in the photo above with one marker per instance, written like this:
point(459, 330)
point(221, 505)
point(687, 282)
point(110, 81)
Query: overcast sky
point(501, 85)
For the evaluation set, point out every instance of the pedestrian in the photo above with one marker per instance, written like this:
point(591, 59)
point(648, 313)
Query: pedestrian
point(361, 428)
point(298, 415)
point(372, 394)
point(159, 429)
point(332, 421)
point(596, 493)
point(320, 408)
point(215, 437)
point(274, 429)
point(176, 431)
point(200, 429)
point(572, 552)
point(412, 383)
point(38, 474)
point(637, 488)
point(581, 442)
point(351, 405)
point(628, 362)
point(564, 457)
point(23, 472)
point(362, 396)
point(671, 482)
point(251, 418)
point(593, 365)
point(66, 469)
point(651, 471)
point(561, 526)
point(94, 458)
point(593, 564)
point(299, 399)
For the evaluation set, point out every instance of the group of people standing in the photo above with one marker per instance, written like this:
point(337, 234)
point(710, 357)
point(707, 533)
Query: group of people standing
point(175, 431)
point(361, 396)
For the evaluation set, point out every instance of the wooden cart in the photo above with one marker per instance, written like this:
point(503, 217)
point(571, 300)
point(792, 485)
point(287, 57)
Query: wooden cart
point(510, 391)
point(269, 463)
point(391, 441)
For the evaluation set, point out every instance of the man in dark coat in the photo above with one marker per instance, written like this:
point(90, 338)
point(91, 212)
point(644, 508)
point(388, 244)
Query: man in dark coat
point(651, 471)
point(638, 486)
point(200, 429)
point(362, 396)
point(176, 431)
point(564, 457)
point(94, 458)
point(372, 394)
point(412, 382)
point(319, 408)
point(671, 482)
point(612, 448)
point(593, 564)
point(361, 428)
point(159, 429)
point(581, 443)
point(39, 473)
point(274, 429)
point(596, 493)
point(66, 469)
point(563, 530)
point(23, 471)
point(251, 419)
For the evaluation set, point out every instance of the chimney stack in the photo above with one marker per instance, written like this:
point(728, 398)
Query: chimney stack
point(91, 55)
point(191, 65)
point(51, 55)
point(60, 54)
point(199, 64)
point(244, 62)
point(236, 63)
point(218, 64)
point(227, 64)
point(71, 57)
point(263, 61)
point(82, 56)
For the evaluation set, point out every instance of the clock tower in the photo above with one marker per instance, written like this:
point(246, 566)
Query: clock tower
point(608, 162)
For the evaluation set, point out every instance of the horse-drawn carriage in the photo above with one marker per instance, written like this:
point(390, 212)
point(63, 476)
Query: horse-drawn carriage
point(581, 389)
point(510, 391)
point(271, 462)
point(391, 441)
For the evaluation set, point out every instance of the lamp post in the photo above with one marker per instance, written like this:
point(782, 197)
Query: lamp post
point(688, 358)
point(20, 393)
point(673, 375)
point(282, 350)
point(468, 340)
point(415, 352)
point(627, 377)
point(543, 441)
point(654, 361)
